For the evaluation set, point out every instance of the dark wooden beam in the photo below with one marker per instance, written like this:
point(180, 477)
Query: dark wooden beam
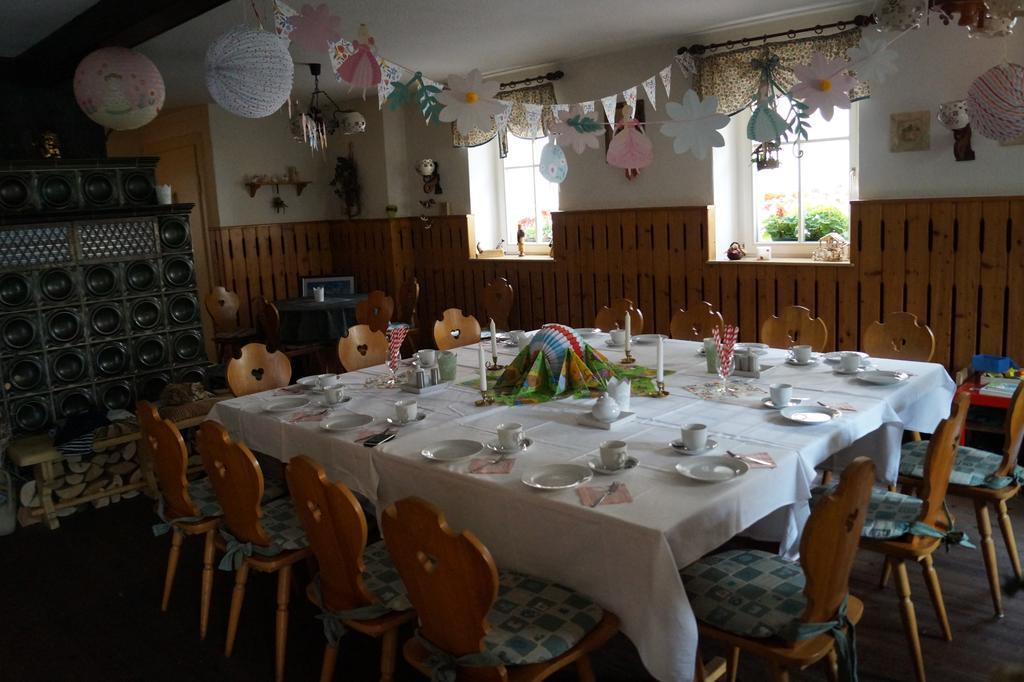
point(124, 23)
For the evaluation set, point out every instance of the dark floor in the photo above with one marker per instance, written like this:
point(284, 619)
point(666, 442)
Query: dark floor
point(82, 604)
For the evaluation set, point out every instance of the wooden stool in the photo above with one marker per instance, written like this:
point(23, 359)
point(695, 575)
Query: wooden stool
point(39, 452)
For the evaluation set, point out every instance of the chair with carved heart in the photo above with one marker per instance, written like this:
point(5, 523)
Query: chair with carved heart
point(794, 614)
point(695, 324)
point(222, 306)
point(795, 325)
point(362, 347)
point(900, 337)
point(479, 624)
point(258, 369)
point(614, 316)
point(456, 329)
point(310, 354)
point(357, 587)
point(267, 538)
point(375, 311)
point(498, 299)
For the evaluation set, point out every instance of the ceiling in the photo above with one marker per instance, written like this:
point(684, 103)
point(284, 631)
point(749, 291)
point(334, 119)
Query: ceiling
point(26, 22)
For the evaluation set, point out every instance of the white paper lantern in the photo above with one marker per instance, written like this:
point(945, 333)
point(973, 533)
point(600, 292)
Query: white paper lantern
point(249, 72)
point(118, 88)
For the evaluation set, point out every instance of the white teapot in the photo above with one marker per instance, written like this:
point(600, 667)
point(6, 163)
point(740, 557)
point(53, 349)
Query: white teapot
point(606, 409)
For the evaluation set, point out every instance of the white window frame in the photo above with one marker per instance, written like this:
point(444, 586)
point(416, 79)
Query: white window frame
point(506, 230)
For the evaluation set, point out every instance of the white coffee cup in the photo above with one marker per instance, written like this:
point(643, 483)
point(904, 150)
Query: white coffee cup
point(613, 454)
point(519, 337)
point(849, 361)
point(335, 394)
point(325, 381)
point(405, 410)
point(782, 394)
point(618, 337)
point(510, 435)
point(426, 357)
point(694, 436)
point(801, 354)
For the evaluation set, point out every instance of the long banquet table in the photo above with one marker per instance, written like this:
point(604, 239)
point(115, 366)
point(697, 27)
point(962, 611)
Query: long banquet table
point(626, 556)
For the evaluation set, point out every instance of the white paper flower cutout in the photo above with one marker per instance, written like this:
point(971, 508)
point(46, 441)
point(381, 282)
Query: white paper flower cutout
point(469, 102)
point(585, 134)
point(873, 60)
point(823, 85)
point(695, 124)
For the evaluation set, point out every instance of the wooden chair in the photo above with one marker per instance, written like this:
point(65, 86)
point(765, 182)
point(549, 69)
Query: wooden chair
point(987, 478)
point(272, 530)
point(258, 369)
point(498, 299)
point(186, 508)
point(795, 326)
point(695, 324)
point(827, 551)
point(900, 337)
point(362, 347)
point(455, 329)
point(938, 463)
point(271, 322)
point(408, 298)
point(375, 311)
point(614, 316)
point(336, 528)
point(453, 583)
point(222, 306)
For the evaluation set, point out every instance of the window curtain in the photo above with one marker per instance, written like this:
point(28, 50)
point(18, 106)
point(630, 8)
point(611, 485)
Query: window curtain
point(543, 95)
point(734, 79)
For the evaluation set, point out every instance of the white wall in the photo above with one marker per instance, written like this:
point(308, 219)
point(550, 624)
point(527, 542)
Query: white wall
point(434, 141)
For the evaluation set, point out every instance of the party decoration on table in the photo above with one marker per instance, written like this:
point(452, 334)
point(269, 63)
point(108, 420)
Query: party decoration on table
point(118, 88)
point(953, 116)
point(630, 149)
point(311, 28)
point(249, 72)
point(695, 125)
point(576, 129)
point(651, 90)
point(873, 59)
point(396, 337)
point(735, 392)
point(725, 345)
point(995, 102)
point(553, 165)
point(356, 63)
point(823, 85)
point(598, 496)
point(469, 102)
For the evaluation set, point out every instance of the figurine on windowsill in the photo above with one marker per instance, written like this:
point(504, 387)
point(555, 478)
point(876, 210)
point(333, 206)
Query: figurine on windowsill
point(520, 241)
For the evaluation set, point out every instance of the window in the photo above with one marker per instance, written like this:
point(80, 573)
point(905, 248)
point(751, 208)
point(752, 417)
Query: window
point(526, 198)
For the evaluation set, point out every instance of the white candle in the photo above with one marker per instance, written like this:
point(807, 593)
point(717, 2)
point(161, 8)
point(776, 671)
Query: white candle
point(661, 360)
point(494, 339)
point(483, 369)
point(628, 333)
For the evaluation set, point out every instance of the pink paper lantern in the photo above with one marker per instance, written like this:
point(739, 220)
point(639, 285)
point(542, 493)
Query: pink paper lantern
point(995, 102)
point(119, 88)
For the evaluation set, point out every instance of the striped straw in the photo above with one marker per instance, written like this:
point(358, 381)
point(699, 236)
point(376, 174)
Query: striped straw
point(396, 336)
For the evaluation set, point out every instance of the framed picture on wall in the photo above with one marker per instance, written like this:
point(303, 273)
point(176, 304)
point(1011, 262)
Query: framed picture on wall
point(334, 285)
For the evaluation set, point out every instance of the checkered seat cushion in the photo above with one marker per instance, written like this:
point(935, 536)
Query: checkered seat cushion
point(889, 515)
point(202, 494)
point(283, 527)
point(971, 467)
point(746, 592)
point(382, 579)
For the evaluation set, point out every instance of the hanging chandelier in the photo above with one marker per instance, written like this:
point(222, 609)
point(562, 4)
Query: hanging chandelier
point(323, 116)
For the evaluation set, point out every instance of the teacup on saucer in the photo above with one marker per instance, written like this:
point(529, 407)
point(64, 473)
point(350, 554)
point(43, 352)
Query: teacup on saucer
point(594, 462)
point(680, 447)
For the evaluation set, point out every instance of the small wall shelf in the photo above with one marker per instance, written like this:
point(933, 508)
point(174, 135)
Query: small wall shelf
point(299, 186)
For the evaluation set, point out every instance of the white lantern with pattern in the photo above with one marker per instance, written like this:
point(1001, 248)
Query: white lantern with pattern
point(249, 72)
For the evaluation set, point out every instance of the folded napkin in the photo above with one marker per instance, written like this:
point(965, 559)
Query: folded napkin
point(290, 390)
point(765, 460)
point(307, 417)
point(482, 465)
point(845, 407)
point(589, 494)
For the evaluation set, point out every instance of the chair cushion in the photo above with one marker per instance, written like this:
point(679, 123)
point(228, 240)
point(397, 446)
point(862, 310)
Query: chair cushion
point(202, 494)
point(534, 620)
point(382, 578)
point(283, 525)
point(747, 592)
point(971, 467)
point(889, 514)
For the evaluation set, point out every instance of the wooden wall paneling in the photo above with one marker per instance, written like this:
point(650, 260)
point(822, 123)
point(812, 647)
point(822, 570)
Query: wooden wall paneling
point(605, 260)
point(942, 262)
point(764, 301)
point(804, 291)
point(663, 305)
point(746, 288)
point(291, 262)
point(647, 255)
point(916, 266)
point(238, 263)
point(694, 255)
point(613, 238)
point(825, 301)
point(631, 261)
point(573, 265)
point(967, 280)
point(675, 226)
point(588, 306)
point(543, 285)
point(728, 304)
point(1015, 284)
point(277, 264)
point(894, 218)
point(992, 311)
point(870, 267)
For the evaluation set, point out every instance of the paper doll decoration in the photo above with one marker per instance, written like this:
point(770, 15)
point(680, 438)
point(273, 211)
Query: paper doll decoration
point(361, 68)
point(695, 124)
point(118, 88)
point(553, 165)
point(630, 149)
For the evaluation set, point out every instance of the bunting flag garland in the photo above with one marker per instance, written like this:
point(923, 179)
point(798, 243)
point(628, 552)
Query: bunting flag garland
point(651, 88)
point(557, 109)
point(666, 80)
point(388, 74)
point(686, 64)
point(283, 19)
point(501, 119)
point(587, 107)
point(629, 97)
point(609, 107)
point(533, 114)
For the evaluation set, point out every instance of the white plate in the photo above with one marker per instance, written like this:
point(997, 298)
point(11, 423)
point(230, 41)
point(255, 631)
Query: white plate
point(648, 339)
point(793, 402)
point(496, 448)
point(713, 468)
point(840, 370)
point(836, 356)
point(420, 416)
point(557, 476)
point(587, 332)
point(322, 402)
point(883, 377)
point(345, 422)
point(451, 450)
point(285, 404)
point(810, 415)
point(678, 446)
point(310, 381)
point(594, 462)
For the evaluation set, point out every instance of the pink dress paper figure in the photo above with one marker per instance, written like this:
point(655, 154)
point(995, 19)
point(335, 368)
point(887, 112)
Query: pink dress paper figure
point(630, 149)
point(361, 69)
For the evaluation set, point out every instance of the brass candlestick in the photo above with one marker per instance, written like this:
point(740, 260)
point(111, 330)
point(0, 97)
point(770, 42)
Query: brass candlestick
point(493, 364)
point(661, 390)
point(629, 359)
point(485, 399)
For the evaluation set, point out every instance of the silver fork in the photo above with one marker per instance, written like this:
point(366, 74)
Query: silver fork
point(614, 487)
point(385, 432)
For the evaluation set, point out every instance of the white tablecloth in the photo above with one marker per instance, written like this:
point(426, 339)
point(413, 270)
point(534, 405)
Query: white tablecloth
point(625, 556)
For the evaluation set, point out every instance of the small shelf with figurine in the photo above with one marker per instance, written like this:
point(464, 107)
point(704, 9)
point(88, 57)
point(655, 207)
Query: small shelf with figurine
point(298, 184)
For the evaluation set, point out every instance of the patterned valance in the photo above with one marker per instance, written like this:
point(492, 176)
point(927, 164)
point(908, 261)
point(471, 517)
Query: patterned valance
point(543, 95)
point(735, 80)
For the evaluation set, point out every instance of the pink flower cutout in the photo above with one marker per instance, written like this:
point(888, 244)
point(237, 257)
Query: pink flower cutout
point(823, 85)
point(314, 28)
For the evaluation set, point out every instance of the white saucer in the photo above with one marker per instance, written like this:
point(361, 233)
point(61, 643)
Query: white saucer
point(322, 402)
point(614, 345)
point(594, 462)
point(678, 446)
point(557, 476)
point(792, 361)
point(810, 414)
point(648, 339)
point(346, 422)
point(451, 450)
point(767, 402)
point(587, 332)
point(496, 448)
point(310, 381)
point(840, 370)
point(420, 416)
point(836, 356)
point(713, 469)
point(285, 404)
point(883, 377)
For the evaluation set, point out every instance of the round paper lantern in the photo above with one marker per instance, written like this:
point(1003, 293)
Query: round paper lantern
point(249, 72)
point(995, 102)
point(119, 88)
point(554, 341)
